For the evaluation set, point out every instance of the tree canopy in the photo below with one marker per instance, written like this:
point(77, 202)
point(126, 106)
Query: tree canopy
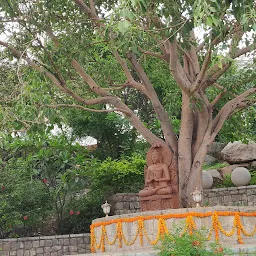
point(95, 55)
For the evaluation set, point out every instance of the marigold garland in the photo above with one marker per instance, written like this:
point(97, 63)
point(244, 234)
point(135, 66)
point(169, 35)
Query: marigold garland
point(106, 236)
point(215, 225)
point(190, 226)
point(231, 232)
point(134, 239)
point(141, 227)
point(119, 234)
point(239, 225)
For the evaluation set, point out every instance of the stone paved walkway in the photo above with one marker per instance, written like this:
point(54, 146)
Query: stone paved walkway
point(238, 249)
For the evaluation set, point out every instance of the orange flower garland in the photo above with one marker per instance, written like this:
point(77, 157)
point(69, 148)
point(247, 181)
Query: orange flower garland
point(215, 222)
point(190, 226)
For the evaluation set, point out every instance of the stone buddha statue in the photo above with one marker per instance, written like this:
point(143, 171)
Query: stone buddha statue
point(161, 180)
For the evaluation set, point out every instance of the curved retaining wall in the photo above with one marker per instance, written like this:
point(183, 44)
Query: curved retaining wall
point(135, 231)
point(123, 203)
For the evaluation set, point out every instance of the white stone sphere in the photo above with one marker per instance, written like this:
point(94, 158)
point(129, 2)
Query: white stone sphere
point(240, 176)
point(207, 180)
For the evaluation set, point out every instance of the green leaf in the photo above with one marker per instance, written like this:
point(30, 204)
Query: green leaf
point(209, 21)
point(215, 21)
point(123, 26)
point(212, 9)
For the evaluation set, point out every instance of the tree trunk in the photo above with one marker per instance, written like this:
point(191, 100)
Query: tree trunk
point(191, 158)
point(190, 177)
point(184, 148)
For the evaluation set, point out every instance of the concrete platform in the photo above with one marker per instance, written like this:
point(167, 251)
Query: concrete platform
point(150, 224)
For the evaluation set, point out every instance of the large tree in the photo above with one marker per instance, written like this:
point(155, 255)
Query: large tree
point(107, 43)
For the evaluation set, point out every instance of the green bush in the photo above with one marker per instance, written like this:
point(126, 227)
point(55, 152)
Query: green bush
point(106, 178)
point(41, 176)
point(84, 210)
point(226, 182)
point(25, 201)
point(253, 179)
point(187, 244)
point(118, 176)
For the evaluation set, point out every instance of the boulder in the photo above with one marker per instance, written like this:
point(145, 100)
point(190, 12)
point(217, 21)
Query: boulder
point(217, 178)
point(210, 160)
point(228, 169)
point(215, 174)
point(237, 152)
point(215, 149)
point(253, 165)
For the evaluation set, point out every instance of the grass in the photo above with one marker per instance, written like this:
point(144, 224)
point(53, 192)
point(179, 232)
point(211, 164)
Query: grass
point(215, 166)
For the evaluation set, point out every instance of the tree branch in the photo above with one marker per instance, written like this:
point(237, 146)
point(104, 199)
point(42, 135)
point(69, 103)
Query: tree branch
point(115, 101)
point(92, 6)
point(48, 74)
point(117, 87)
point(84, 108)
point(244, 50)
point(60, 77)
point(162, 115)
point(240, 101)
point(201, 74)
point(220, 95)
point(217, 99)
point(129, 76)
point(193, 54)
point(186, 68)
point(215, 40)
point(176, 68)
point(157, 55)
point(216, 72)
point(93, 86)
point(90, 12)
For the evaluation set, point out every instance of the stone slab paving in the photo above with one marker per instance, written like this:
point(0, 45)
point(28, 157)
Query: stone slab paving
point(130, 253)
point(239, 249)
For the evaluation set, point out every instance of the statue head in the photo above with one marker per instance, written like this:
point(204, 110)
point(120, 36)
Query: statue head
point(162, 155)
point(156, 156)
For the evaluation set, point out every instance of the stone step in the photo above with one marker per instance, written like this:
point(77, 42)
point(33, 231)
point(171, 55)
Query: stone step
point(243, 249)
point(238, 249)
point(127, 253)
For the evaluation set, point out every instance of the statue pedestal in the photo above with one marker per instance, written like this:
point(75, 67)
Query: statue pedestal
point(159, 202)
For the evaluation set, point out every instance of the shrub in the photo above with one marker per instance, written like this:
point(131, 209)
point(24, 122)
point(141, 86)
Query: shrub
point(79, 214)
point(116, 176)
point(41, 177)
point(187, 244)
point(106, 178)
point(226, 182)
point(253, 179)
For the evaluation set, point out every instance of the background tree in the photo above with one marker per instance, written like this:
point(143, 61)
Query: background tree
point(197, 40)
point(40, 176)
point(53, 186)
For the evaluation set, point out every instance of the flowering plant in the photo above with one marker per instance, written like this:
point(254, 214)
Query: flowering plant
point(186, 244)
